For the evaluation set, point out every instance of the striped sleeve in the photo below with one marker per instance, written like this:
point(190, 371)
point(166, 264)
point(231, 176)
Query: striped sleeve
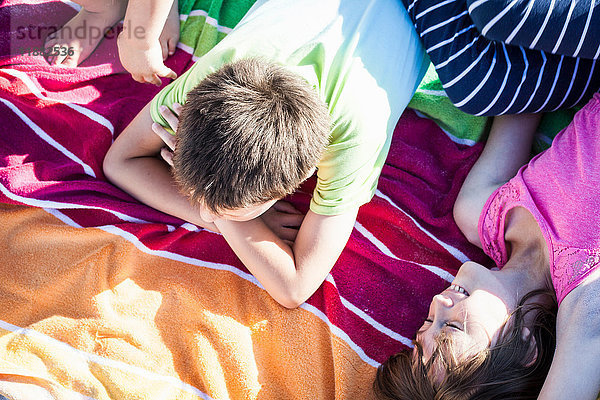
point(569, 28)
point(486, 77)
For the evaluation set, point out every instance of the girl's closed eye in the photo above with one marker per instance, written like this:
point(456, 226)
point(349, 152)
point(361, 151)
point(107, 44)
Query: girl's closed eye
point(453, 326)
point(424, 327)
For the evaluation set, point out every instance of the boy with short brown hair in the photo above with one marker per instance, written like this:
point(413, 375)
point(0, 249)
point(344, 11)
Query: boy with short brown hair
point(272, 124)
point(260, 124)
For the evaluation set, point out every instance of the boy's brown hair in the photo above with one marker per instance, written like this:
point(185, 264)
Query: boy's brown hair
point(509, 370)
point(250, 132)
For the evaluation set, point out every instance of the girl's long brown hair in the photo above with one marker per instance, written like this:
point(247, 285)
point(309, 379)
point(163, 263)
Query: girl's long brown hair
point(508, 370)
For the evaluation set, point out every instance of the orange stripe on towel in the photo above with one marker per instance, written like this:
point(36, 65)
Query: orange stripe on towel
point(107, 321)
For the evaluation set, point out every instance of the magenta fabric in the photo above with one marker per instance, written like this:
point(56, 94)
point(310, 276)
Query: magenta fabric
point(561, 189)
point(57, 124)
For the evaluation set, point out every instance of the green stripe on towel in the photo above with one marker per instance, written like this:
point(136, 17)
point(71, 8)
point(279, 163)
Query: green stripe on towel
point(205, 22)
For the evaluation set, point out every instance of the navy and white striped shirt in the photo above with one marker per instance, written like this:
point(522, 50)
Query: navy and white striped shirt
point(488, 77)
point(570, 28)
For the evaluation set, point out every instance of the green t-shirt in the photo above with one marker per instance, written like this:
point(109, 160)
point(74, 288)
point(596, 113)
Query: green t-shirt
point(364, 59)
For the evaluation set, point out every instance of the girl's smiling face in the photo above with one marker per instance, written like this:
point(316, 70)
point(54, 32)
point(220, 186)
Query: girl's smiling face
point(470, 313)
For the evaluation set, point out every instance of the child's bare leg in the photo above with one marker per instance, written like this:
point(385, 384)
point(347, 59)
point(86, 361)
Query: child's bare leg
point(78, 38)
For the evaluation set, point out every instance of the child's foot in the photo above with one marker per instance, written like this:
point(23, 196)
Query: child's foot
point(78, 38)
point(169, 36)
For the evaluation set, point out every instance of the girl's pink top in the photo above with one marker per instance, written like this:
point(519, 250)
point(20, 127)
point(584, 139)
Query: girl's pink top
point(561, 189)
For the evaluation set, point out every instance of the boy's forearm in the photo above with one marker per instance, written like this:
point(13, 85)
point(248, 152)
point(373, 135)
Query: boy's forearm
point(149, 180)
point(132, 164)
point(290, 274)
point(149, 15)
point(266, 256)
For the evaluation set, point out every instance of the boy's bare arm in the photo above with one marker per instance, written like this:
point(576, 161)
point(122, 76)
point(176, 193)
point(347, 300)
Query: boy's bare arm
point(574, 370)
point(507, 149)
point(132, 163)
point(290, 274)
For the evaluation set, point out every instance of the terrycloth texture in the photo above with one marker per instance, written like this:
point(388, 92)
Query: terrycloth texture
point(103, 297)
point(431, 100)
point(205, 22)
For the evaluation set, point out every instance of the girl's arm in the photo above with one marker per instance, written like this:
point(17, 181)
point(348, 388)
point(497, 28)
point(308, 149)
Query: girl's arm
point(507, 149)
point(574, 371)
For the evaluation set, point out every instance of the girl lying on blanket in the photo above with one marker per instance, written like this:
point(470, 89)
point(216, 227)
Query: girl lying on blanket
point(491, 334)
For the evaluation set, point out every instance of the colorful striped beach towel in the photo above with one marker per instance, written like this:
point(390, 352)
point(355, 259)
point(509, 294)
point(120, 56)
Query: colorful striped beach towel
point(102, 297)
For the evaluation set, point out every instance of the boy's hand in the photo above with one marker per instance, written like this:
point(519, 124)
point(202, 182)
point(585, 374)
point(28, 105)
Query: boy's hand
point(143, 60)
point(173, 120)
point(284, 220)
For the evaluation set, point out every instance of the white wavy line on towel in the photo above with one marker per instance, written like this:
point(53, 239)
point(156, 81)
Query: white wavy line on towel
point(445, 275)
point(49, 204)
point(455, 139)
point(339, 333)
point(188, 50)
point(429, 92)
point(21, 390)
point(209, 20)
point(459, 255)
point(377, 325)
point(59, 205)
point(16, 369)
point(80, 109)
point(40, 132)
point(15, 390)
point(131, 238)
point(250, 278)
point(105, 361)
